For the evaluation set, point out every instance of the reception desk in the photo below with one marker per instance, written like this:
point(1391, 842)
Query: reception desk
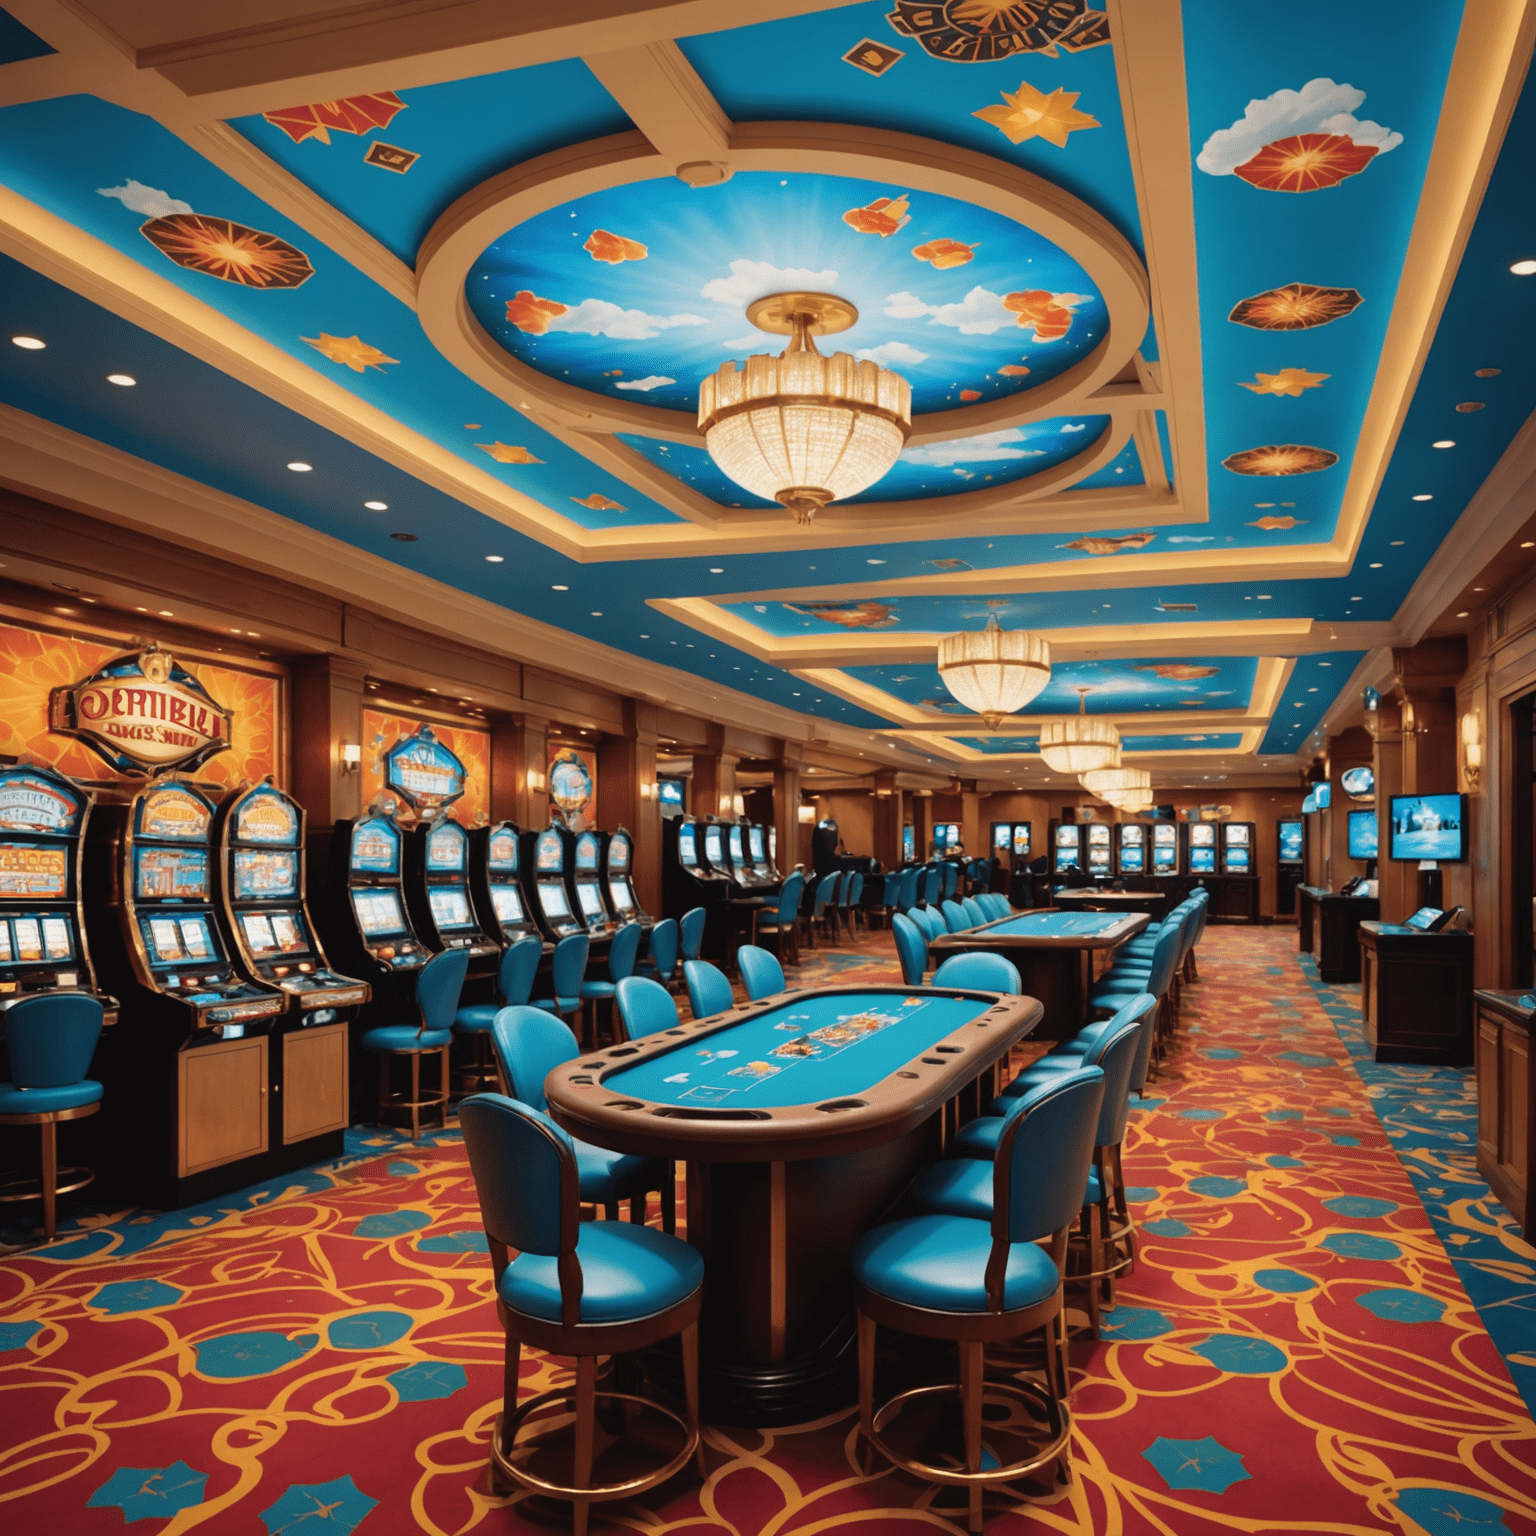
point(1504, 1095)
point(1328, 927)
point(1416, 994)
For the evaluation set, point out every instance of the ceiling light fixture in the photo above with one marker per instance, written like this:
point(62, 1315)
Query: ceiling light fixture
point(1444, 442)
point(1523, 268)
point(299, 467)
point(122, 380)
point(1122, 787)
point(1080, 743)
point(28, 343)
point(802, 429)
point(377, 506)
point(994, 671)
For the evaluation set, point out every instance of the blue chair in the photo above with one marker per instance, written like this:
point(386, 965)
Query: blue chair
point(993, 905)
point(514, 984)
point(438, 984)
point(951, 879)
point(645, 1006)
point(987, 1282)
point(909, 882)
point(911, 949)
point(579, 1289)
point(709, 990)
point(760, 971)
point(567, 971)
point(933, 885)
point(530, 1044)
point(50, 1040)
point(931, 921)
point(660, 961)
point(1142, 1009)
point(623, 949)
point(848, 902)
point(988, 973)
point(890, 895)
point(974, 911)
point(781, 921)
point(955, 918)
point(690, 932)
point(826, 902)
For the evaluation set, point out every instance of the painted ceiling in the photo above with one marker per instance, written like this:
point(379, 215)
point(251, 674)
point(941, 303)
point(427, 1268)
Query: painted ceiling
point(1199, 388)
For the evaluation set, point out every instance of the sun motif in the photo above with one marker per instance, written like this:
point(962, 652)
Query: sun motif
point(1280, 459)
point(603, 245)
point(1031, 114)
point(597, 502)
point(1295, 307)
point(1289, 381)
point(882, 217)
point(1013, 370)
point(506, 453)
point(1098, 544)
point(1306, 162)
point(1042, 311)
point(348, 114)
point(231, 252)
point(531, 314)
point(1276, 524)
point(350, 351)
point(944, 254)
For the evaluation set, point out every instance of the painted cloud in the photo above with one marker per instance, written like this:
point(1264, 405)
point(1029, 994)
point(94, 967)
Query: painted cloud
point(983, 313)
point(753, 279)
point(889, 352)
point(984, 448)
point(599, 317)
point(1320, 106)
point(647, 384)
point(150, 201)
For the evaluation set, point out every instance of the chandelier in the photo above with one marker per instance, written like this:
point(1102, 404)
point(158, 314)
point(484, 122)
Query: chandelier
point(1127, 788)
point(994, 671)
point(1079, 743)
point(803, 429)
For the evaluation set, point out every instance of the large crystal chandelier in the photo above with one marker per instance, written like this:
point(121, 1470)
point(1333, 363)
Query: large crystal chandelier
point(994, 671)
point(1079, 743)
point(803, 429)
point(1127, 788)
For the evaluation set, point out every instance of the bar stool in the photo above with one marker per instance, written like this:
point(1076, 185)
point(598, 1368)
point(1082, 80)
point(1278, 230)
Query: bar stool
point(578, 1289)
point(567, 970)
point(621, 963)
point(438, 984)
point(514, 983)
point(50, 1039)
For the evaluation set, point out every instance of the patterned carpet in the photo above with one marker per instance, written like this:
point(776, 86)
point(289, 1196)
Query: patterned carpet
point(1295, 1352)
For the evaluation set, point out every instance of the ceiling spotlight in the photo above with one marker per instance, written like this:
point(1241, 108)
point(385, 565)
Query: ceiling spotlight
point(1523, 268)
point(495, 559)
point(374, 506)
point(559, 588)
point(1425, 497)
point(299, 467)
point(717, 570)
point(1463, 614)
point(1444, 442)
point(28, 343)
point(124, 380)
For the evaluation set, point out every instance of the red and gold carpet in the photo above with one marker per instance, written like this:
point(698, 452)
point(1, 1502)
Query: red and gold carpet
point(1294, 1353)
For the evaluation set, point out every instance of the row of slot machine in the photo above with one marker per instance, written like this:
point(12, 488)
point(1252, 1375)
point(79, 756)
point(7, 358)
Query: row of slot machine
point(711, 863)
point(1102, 849)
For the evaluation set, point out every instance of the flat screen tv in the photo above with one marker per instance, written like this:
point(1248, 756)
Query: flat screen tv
point(1290, 842)
point(1429, 827)
point(1362, 834)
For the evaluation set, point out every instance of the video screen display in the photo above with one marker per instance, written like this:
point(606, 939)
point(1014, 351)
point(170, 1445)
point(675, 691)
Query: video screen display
point(378, 912)
point(1202, 861)
point(450, 906)
point(376, 847)
point(618, 852)
point(1290, 842)
point(946, 835)
point(734, 840)
point(1202, 834)
point(262, 873)
point(7, 953)
point(173, 940)
point(1002, 834)
point(755, 845)
point(1098, 858)
point(33, 869)
point(507, 901)
point(1068, 835)
point(1133, 858)
point(553, 898)
point(447, 847)
point(1429, 827)
point(670, 793)
point(908, 841)
point(1362, 835)
point(591, 899)
point(622, 900)
point(1323, 794)
point(1235, 833)
point(1237, 858)
point(586, 851)
point(548, 852)
point(1358, 783)
point(267, 817)
point(1132, 834)
point(170, 874)
point(687, 847)
point(29, 938)
point(501, 851)
point(273, 933)
point(1098, 834)
point(1021, 839)
point(713, 844)
point(1165, 858)
point(1165, 836)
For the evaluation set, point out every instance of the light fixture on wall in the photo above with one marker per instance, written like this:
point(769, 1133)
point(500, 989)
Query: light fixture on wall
point(1080, 743)
point(994, 671)
point(1472, 747)
point(802, 429)
point(536, 782)
point(806, 815)
point(351, 757)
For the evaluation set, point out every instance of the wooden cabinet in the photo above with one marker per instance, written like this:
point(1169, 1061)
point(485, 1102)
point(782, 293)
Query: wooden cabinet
point(1504, 1100)
point(1329, 928)
point(314, 1082)
point(1416, 994)
point(222, 1104)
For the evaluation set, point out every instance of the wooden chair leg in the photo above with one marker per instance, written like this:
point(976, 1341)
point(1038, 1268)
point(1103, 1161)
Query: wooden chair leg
point(689, 1339)
point(586, 1419)
point(50, 1129)
point(383, 1085)
point(970, 1410)
point(443, 1081)
point(669, 1201)
point(637, 1210)
point(415, 1095)
point(1095, 1261)
point(867, 1328)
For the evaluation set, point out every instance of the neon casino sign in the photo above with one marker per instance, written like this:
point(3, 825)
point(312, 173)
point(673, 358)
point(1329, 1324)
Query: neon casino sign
point(144, 713)
point(426, 774)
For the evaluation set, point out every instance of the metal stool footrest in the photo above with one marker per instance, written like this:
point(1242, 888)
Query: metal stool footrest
point(70, 1179)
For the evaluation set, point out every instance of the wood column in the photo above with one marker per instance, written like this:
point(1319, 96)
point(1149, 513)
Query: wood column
point(973, 832)
point(887, 820)
point(1349, 749)
point(1398, 881)
point(922, 826)
point(626, 794)
point(518, 749)
point(327, 714)
point(1427, 678)
point(786, 804)
point(705, 786)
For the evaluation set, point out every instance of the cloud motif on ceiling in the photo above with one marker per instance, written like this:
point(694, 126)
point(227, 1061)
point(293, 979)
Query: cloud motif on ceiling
point(891, 352)
point(600, 317)
point(647, 384)
point(984, 448)
point(150, 201)
point(756, 279)
point(983, 313)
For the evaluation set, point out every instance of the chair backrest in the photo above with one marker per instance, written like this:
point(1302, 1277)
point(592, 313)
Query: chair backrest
point(623, 950)
point(760, 970)
point(438, 984)
point(1117, 1060)
point(974, 911)
point(891, 895)
point(854, 892)
point(789, 897)
point(989, 973)
point(933, 920)
point(51, 1038)
point(520, 964)
point(530, 1044)
point(1040, 1169)
point(646, 1006)
point(933, 884)
point(569, 966)
point(911, 949)
point(690, 932)
point(908, 897)
point(955, 918)
point(663, 950)
point(709, 992)
point(1165, 956)
point(825, 891)
point(1142, 1010)
point(951, 878)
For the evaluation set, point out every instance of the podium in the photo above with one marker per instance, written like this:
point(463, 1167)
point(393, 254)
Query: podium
point(1416, 994)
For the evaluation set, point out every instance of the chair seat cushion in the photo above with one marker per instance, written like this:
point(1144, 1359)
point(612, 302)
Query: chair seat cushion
point(474, 1017)
point(627, 1271)
point(556, 1004)
point(606, 1175)
point(405, 1037)
point(598, 989)
point(978, 1138)
point(42, 1101)
point(939, 1263)
point(1114, 994)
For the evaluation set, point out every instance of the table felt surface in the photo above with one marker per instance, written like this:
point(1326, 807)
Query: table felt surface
point(811, 1049)
point(1054, 925)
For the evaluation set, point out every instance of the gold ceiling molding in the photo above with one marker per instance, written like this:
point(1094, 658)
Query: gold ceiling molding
point(956, 751)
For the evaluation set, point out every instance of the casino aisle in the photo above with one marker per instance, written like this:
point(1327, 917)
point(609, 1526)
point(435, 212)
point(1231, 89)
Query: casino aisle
point(1296, 1350)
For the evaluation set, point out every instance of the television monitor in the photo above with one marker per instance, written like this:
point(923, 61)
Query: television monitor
point(1323, 794)
point(450, 906)
point(908, 841)
point(713, 843)
point(1362, 834)
point(687, 847)
point(1237, 857)
point(1001, 834)
point(1021, 839)
point(1429, 827)
point(508, 903)
point(670, 793)
point(1359, 783)
point(1309, 806)
point(1202, 861)
point(1290, 842)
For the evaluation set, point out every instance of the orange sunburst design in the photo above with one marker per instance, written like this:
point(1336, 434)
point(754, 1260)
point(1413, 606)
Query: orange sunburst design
point(1039, 309)
point(882, 217)
point(944, 254)
point(597, 502)
point(382, 730)
point(1306, 162)
point(531, 314)
point(970, 394)
point(1013, 370)
point(1100, 544)
point(233, 253)
point(1276, 524)
point(604, 245)
point(1295, 307)
point(348, 114)
point(1280, 459)
point(1177, 671)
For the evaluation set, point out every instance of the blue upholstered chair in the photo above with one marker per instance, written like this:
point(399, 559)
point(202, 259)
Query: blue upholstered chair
point(709, 990)
point(529, 1045)
point(782, 921)
point(50, 1040)
point(951, 872)
point(988, 973)
point(514, 984)
point(690, 932)
point(760, 971)
point(911, 949)
point(660, 962)
point(1142, 1009)
point(909, 893)
point(849, 902)
point(974, 911)
point(623, 949)
point(933, 885)
point(890, 895)
point(579, 1289)
point(824, 911)
point(645, 1007)
point(438, 984)
point(954, 915)
point(567, 971)
point(983, 1282)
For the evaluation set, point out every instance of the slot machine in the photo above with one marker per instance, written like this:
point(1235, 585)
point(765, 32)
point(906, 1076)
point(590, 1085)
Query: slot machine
point(1237, 847)
point(370, 930)
point(757, 848)
point(1290, 867)
point(1133, 847)
point(544, 884)
point(1002, 839)
point(1165, 848)
point(1100, 849)
point(618, 879)
point(437, 893)
point(1066, 846)
point(587, 880)
point(688, 882)
point(1022, 839)
point(43, 944)
point(1202, 848)
point(494, 867)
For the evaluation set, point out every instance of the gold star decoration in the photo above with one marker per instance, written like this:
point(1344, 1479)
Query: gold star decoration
point(1032, 114)
point(1289, 381)
point(597, 502)
point(350, 351)
point(505, 453)
point(1276, 524)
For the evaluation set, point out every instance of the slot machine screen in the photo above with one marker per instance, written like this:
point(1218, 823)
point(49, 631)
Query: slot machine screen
point(548, 855)
point(170, 874)
point(29, 939)
point(553, 897)
point(1067, 847)
point(735, 843)
point(375, 848)
point(1098, 856)
point(618, 853)
point(1021, 839)
point(586, 851)
point(1202, 835)
point(591, 899)
point(712, 846)
point(1236, 832)
point(1362, 835)
point(755, 845)
point(450, 906)
point(501, 852)
point(687, 848)
point(908, 841)
point(6, 950)
point(262, 874)
point(259, 937)
point(1002, 835)
point(378, 912)
point(619, 890)
point(1237, 858)
point(1165, 848)
point(288, 930)
point(1202, 860)
point(58, 942)
point(508, 904)
point(1098, 834)
point(447, 847)
point(267, 817)
point(33, 869)
point(1290, 842)
point(1133, 858)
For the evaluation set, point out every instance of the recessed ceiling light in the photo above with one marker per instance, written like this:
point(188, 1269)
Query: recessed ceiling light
point(1487, 373)
point(1523, 268)
point(1466, 407)
point(1463, 614)
point(404, 538)
point(1397, 543)
point(1529, 544)
point(1375, 565)
point(299, 467)
point(495, 559)
point(874, 562)
point(1357, 599)
point(123, 380)
point(1425, 497)
point(165, 613)
point(597, 613)
point(1444, 442)
point(558, 588)
point(377, 506)
point(28, 343)
point(645, 637)
point(717, 570)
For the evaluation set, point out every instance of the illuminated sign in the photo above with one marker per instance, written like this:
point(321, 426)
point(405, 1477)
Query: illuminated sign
point(32, 800)
point(144, 713)
point(424, 772)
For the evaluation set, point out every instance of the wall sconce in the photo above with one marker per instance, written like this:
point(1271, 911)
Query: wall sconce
point(536, 781)
point(725, 805)
point(807, 815)
point(1370, 700)
point(648, 789)
point(739, 804)
point(1472, 747)
point(351, 757)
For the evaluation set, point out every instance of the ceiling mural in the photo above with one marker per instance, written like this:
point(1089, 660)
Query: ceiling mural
point(1219, 528)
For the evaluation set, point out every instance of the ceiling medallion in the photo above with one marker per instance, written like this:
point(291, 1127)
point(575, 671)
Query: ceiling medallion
point(802, 429)
point(1079, 743)
point(994, 671)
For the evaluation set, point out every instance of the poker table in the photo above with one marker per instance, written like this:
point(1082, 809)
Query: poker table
point(1055, 953)
point(801, 1118)
point(1088, 899)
